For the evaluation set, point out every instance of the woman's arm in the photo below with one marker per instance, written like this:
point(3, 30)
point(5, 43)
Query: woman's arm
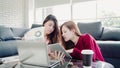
point(76, 53)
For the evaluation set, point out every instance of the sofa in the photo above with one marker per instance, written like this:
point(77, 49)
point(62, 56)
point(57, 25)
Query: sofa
point(107, 38)
point(8, 36)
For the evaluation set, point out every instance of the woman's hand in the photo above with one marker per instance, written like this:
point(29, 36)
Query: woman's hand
point(57, 55)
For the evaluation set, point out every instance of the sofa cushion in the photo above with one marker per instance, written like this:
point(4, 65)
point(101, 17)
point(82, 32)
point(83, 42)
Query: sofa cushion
point(8, 48)
point(36, 25)
point(0, 39)
point(19, 32)
point(110, 49)
point(6, 33)
point(93, 28)
point(111, 34)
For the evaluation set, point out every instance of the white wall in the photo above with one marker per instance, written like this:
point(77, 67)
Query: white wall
point(17, 13)
point(12, 13)
point(21, 13)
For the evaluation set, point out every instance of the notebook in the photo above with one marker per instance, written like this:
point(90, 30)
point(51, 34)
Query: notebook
point(58, 47)
point(34, 53)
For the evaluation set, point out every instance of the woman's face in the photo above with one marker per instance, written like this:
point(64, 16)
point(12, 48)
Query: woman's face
point(49, 27)
point(67, 34)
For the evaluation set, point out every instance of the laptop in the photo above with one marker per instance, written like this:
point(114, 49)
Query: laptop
point(58, 47)
point(34, 53)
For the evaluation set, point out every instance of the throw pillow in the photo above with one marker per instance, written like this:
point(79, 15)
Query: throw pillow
point(111, 34)
point(35, 34)
point(93, 28)
point(6, 34)
point(19, 32)
point(36, 25)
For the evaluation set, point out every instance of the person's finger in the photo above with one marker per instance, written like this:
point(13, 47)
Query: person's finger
point(59, 54)
point(55, 53)
point(62, 56)
point(49, 50)
point(52, 56)
point(62, 62)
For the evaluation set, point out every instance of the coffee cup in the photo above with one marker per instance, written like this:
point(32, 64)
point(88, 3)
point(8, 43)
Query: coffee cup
point(87, 58)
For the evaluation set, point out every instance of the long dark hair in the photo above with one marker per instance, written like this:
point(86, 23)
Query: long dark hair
point(70, 25)
point(54, 36)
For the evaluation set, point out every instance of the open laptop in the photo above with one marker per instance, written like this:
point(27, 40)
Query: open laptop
point(34, 53)
point(58, 47)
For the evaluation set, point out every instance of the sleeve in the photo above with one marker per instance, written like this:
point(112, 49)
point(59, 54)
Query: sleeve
point(88, 41)
point(76, 53)
point(87, 44)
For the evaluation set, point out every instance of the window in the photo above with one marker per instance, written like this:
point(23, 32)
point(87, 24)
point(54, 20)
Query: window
point(108, 12)
point(62, 13)
point(84, 11)
point(38, 16)
point(106, 8)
